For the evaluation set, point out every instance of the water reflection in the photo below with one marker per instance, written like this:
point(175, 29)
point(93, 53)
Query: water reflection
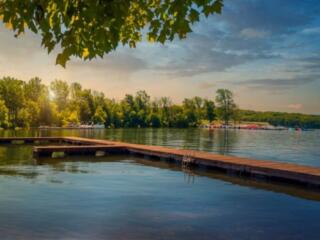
point(30, 174)
point(15, 154)
point(190, 174)
point(17, 161)
point(128, 197)
point(285, 146)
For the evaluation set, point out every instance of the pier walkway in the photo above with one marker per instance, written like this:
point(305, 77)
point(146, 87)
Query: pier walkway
point(306, 175)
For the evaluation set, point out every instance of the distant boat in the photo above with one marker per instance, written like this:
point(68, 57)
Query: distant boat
point(98, 126)
point(92, 126)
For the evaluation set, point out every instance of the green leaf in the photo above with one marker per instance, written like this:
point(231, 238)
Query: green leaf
point(193, 15)
point(62, 59)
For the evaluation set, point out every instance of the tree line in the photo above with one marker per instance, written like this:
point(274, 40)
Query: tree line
point(282, 118)
point(32, 104)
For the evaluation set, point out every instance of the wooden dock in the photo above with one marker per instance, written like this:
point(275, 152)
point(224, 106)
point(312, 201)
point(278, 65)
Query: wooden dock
point(305, 175)
point(76, 150)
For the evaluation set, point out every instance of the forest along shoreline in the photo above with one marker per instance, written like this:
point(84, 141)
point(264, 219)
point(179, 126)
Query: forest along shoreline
point(25, 104)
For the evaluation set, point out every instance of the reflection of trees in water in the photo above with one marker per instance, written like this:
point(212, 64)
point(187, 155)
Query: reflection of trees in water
point(191, 139)
point(29, 174)
point(15, 154)
point(180, 138)
point(188, 174)
point(132, 135)
point(217, 140)
point(222, 141)
point(68, 167)
point(225, 145)
point(227, 140)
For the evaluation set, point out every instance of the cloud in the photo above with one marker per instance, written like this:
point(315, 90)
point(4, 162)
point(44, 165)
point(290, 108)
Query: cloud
point(280, 83)
point(253, 33)
point(206, 85)
point(204, 62)
point(313, 30)
point(13, 49)
point(120, 61)
point(262, 26)
point(247, 31)
point(295, 106)
point(311, 63)
point(270, 15)
point(200, 54)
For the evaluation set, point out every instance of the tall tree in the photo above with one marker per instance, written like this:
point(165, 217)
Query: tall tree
point(226, 105)
point(4, 114)
point(190, 112)
point(34, 89)
point(209, 109)
point(60, 90)
point(142, 107)
point(12, 92)
point(100, 116)
point(165, 105)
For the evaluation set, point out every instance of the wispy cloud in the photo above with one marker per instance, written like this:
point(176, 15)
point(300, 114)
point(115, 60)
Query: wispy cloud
point(207, 85)
point(124, 62)
point(313, 30)
point(253, 33)
point(295, 106)
point(280, 83)
point(200, 54)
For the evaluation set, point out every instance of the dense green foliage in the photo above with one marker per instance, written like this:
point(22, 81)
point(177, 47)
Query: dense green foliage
point(87, 29)
point(31, 104)
point(282, 118)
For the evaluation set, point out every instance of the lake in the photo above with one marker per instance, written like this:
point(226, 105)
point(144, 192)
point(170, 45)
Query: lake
point(125, 197)
point(286, 146)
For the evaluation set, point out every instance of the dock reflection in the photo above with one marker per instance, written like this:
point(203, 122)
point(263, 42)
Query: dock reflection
point(190, 174)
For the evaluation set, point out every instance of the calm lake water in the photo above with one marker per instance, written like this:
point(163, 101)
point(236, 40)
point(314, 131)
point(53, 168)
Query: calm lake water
point(124, 197)
point(286, 146)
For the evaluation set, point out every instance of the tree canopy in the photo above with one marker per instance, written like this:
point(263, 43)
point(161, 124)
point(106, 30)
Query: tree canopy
point(88, 29)
point(32, 103)
point(227, 107)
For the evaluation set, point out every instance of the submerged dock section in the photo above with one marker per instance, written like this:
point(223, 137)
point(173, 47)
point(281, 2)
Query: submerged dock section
point(305, 175)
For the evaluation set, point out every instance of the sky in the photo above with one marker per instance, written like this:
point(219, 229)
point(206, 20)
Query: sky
point(266, 52)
